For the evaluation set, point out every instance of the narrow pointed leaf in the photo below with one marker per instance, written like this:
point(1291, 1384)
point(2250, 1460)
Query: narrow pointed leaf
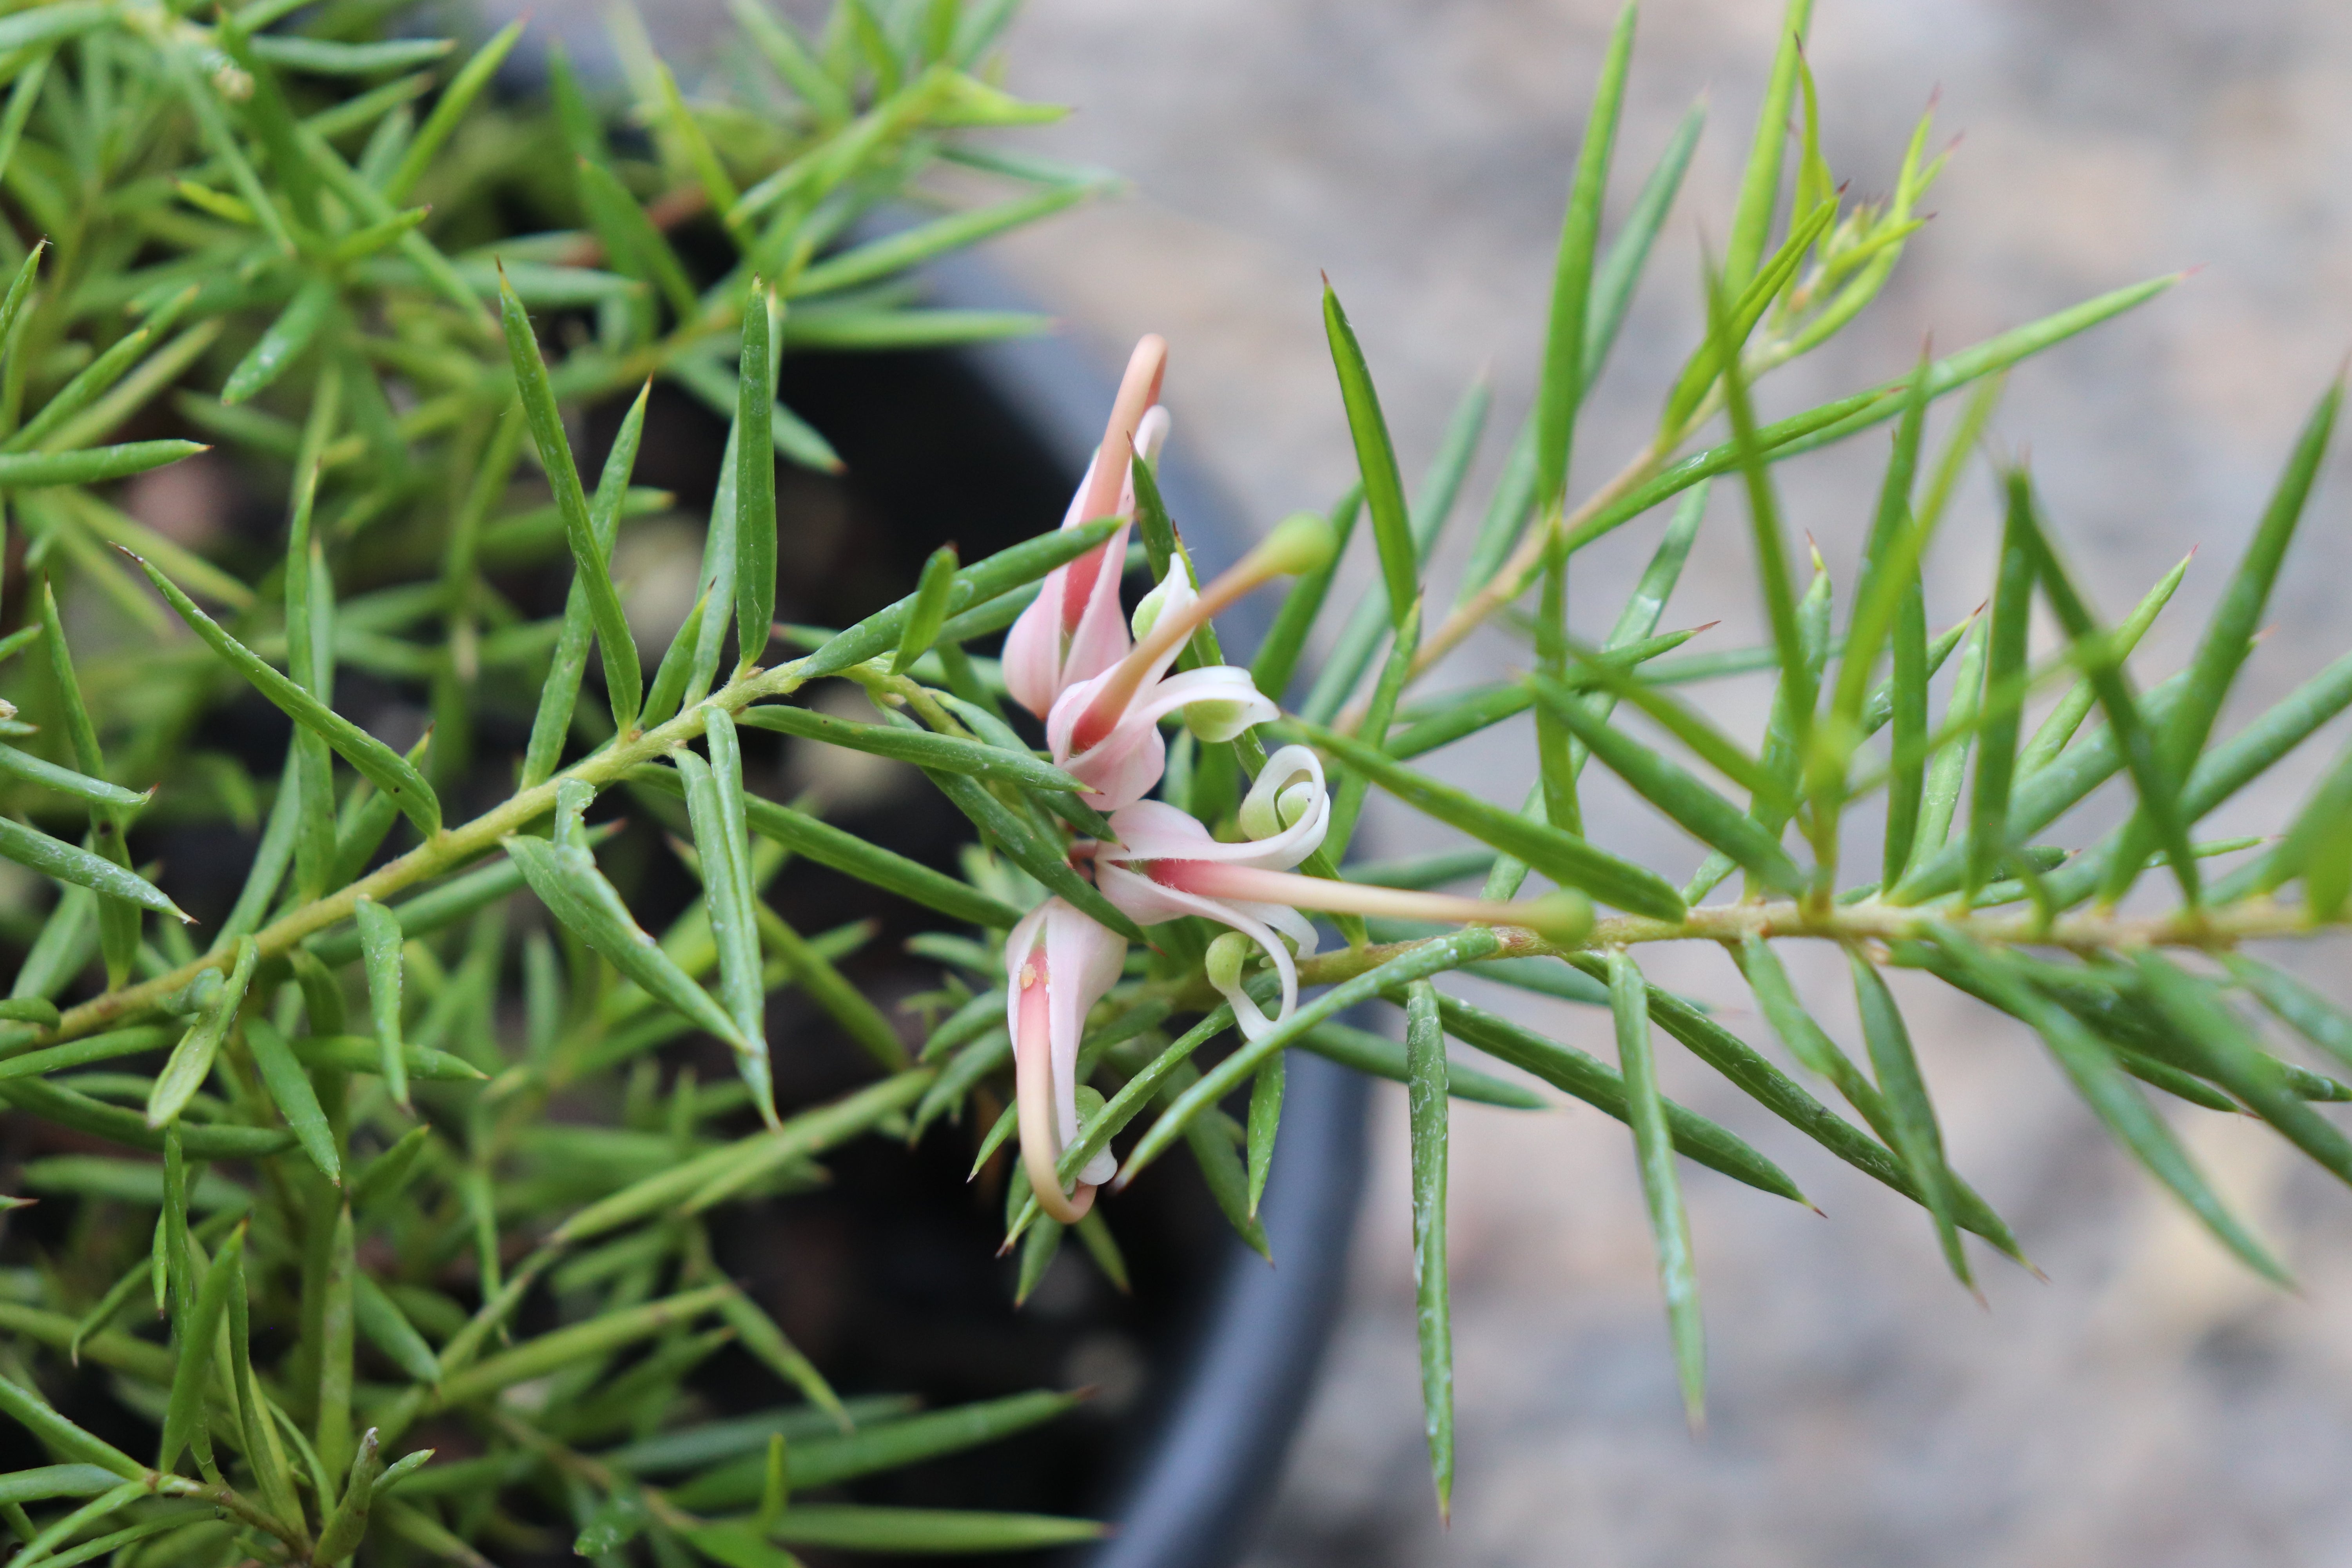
point(1661, 1187)
point(1428, 1111)
point(949, 754)
point(1916, 1136)
point(1560, 388)
point(755, 482)
point(1563, 857)
point(1760, 188)
point(289, 1087)
point(567, 881)
point(2154, 781)
point(185, 1410)
point(1602, 1086)
point(846, 852)
point(553, 723)
point(380, 952)
point(624, 680)
point(2228, 1055)
point(1676, 791)
point(1376, 458)
point(191, 1062)
point(378, 763)
point(2105, 1089)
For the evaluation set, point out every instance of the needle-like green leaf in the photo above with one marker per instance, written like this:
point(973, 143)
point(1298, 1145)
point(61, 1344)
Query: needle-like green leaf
point(949, 753)
point(283, 343)
point(1796, 691)
point(1376, 458)
point(450, 107)
point(1560, 387)
point(1428, 1111)
point(1268, 1087)
point(2153, 779)
point(2229, 635)
point(1918, 1137)
point(295, 1099)
point(1602, 1086)
point(2229, 1056)
point(624, 680)
point(567, 881)
point(378, 763)
point(846, 852)
point(1674, 790)
point(1760, 188)
point(2058, 729)
point(1661, 1188)
point(184, 1409)
point(2106, 1091)
point(723, 856)
point(1563, 857)
point(557, 699)
point(191, 1061)
point(380, 952)
point(2005, 651)
point(755, 482)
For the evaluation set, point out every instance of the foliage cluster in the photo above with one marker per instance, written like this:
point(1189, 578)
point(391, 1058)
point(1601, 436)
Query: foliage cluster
point(359, 1185)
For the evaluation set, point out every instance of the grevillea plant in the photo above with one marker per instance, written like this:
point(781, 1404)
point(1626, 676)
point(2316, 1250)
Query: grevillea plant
point(348, 1201)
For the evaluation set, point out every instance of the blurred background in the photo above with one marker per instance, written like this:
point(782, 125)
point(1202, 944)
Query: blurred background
point(2149, 1403)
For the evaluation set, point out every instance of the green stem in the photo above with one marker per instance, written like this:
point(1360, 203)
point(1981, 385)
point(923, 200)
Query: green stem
point(449, 850)
point(2209, 929)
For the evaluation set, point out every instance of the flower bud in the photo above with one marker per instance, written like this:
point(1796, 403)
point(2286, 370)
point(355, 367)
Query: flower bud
point(1219, 721)
point(1563, 917)
point(1147, 614)
point(1227, 956)
point(1300, 543)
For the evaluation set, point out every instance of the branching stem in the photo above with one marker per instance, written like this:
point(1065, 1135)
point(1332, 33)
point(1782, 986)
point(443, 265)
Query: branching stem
point(450, 849)
point(2210, 928)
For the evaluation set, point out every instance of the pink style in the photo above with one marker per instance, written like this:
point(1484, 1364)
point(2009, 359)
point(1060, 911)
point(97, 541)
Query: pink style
point(1166, 866)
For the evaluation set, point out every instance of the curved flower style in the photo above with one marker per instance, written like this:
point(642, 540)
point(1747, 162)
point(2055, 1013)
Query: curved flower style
point(1057, 964)
point(1075, 629)
point(1166, 865)
point(1121, 760)
point(1105, 731)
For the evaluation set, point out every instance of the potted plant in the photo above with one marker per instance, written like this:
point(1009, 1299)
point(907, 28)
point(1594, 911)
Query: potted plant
point(423, 1078)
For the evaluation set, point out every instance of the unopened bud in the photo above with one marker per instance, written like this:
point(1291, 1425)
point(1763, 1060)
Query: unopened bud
point(1286, 791)
point(1217, 721)
point(1300, 543)
point(1563, 917)
point(1147, 614)
point(1227, 955)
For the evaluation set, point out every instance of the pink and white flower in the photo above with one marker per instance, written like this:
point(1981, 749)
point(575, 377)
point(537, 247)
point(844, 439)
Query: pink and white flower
point(1059, 963)
point(1075, 628)
point(1105, 731)
point(1166, 866)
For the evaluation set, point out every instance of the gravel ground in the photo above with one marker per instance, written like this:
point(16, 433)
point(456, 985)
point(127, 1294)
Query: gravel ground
point(2149, 1404)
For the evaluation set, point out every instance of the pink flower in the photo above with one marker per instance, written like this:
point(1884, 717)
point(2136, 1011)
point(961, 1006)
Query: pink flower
point(1106, 730)
point(1166, 865)
point(1059, 963)
point(1120, 758)
point(1075, 628)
